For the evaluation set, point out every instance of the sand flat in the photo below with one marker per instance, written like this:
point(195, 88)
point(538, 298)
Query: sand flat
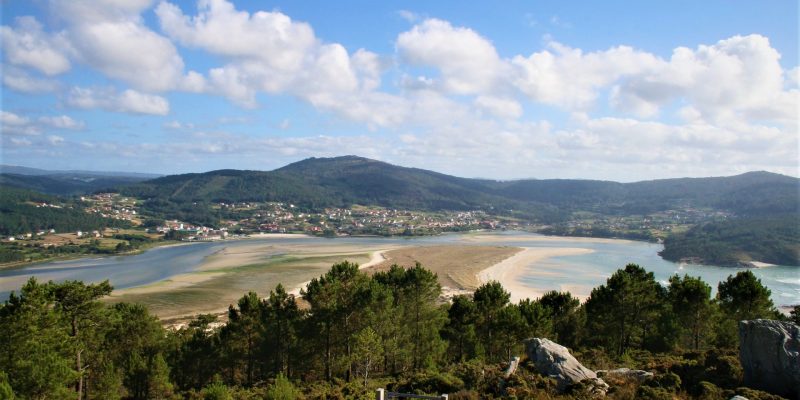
point(532, 237)
point(457, 266)
point(508, 271)
point(231, 272)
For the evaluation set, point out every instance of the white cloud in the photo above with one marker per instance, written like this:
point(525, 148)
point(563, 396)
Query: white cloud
point(15, 124)
point(793, 77)
point(499, 107)
point(111, 36)
point(28, 45)
point(467, 61)
point(569, 78)
point(11, 119)
point(739, 77)
point(269, 52)
point(128, 101)
point(409, 16)
point(19, 80)
point(55, 140)
point(20, 142)
point(128, 51)
point(62, 122)
point(221, 29)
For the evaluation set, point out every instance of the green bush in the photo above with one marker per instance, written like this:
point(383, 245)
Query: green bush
point(465, 395)
point(5, 388)
point(653, 393)
point(669, 382)
point(216, 391)
point(752, 394)
point(282, 389)
point(707, 391)
point(430, 383)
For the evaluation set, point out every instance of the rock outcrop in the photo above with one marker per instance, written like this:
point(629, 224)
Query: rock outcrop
point(627, 373)
point(770, 355)
point(554, 360)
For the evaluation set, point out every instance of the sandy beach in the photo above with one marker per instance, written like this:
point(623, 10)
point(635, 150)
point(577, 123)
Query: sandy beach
point(759, 264)
point(532, 237)
point(263, 235)
point(508, 271)
point(456, 266)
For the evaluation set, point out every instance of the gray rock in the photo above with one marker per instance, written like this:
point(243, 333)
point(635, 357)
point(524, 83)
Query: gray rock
point(512, 367)
point(737, 397)
point(770, 355)
point(554, 360)
point(637, 374)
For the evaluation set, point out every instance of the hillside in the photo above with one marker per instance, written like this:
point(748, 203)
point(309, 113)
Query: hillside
point(20, 212)
point(318, 183)
point(342, 181)
point(65, 185)
point(738, 241)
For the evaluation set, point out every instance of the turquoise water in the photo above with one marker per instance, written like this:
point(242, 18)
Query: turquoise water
point(576, 273)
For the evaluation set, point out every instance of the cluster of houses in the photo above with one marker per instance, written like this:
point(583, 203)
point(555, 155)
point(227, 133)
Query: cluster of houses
point(193, 232)
point(29, 235)
point(280, 218)
point(111, 205)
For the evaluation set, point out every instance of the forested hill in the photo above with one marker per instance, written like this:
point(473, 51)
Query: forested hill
point(317, 183)
point(343, 181)
point(26, 211)
point(66, 183)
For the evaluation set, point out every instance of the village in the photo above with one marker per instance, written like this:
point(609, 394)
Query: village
point(237, 220)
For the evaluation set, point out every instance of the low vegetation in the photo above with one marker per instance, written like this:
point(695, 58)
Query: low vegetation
point(350, 333)
point(738, 241)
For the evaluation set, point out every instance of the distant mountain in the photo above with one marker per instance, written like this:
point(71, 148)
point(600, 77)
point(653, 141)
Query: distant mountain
point(343, 181)
point(317, 183)
point(19, 170)
point(752, 193)
point(66, 183)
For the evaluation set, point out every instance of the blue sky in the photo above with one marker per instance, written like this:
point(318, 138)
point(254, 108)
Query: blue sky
point(615, 90)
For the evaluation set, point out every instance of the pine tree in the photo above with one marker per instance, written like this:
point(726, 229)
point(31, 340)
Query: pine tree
point(490, 299)
point(690, 299)
point(624, 312)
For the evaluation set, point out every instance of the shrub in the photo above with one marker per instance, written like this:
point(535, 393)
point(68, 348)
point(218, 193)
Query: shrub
point(430, 383)
point(653, 393)
point(282, 389)
point(465, 395)
point(216, 391)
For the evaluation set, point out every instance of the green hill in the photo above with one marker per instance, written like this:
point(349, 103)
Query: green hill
point(66, 184)
point(738, 241)
point(343, 181)
point(19, 213)
point(316, 183)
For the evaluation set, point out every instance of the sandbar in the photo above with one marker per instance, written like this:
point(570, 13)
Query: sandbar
point(508, 271)
point(535, 237)
point(759, 264)
point(455, 265)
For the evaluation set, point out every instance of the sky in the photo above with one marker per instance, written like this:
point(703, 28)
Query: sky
point(613, 90)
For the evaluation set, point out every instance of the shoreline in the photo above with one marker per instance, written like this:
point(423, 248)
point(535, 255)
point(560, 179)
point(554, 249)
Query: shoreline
point(508, 271)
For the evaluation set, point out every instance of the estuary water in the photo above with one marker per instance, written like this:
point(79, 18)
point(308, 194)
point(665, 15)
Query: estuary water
point(576, 273)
